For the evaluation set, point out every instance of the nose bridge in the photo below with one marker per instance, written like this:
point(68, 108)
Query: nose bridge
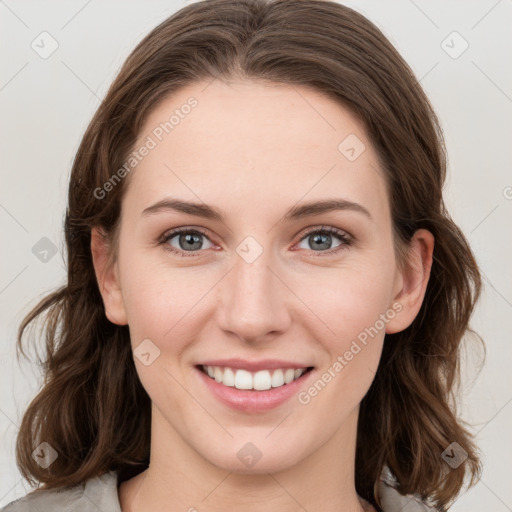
point(253, 299)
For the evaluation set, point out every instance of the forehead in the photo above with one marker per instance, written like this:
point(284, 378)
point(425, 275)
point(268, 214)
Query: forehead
point(258, 142)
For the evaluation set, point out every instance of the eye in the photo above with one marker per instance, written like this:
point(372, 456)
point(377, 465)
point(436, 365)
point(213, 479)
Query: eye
point(322, 239)
point(187, 240)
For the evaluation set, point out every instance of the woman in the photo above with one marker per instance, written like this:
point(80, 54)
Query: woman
point(206, 353)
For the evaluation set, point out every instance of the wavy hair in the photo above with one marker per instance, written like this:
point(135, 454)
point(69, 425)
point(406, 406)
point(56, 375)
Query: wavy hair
point(96, 414)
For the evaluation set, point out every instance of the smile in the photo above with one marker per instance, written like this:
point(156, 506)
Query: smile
point(256, 381)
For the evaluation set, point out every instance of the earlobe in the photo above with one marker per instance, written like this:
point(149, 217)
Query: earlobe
point(107, 277)
point(414, 279)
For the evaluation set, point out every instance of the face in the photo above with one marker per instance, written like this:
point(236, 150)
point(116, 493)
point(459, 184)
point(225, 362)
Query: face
point(263, 283)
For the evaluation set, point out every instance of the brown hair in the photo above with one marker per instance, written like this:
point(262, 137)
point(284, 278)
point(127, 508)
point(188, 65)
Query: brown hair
point(92, 408)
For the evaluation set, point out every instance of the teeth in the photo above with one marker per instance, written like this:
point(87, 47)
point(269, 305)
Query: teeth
point(260, 381)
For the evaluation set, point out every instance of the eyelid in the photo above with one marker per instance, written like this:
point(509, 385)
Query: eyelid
point(171, 233)
point(328, 229)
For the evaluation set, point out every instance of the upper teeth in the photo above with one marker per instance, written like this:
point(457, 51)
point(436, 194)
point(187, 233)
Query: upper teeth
point(242, 379)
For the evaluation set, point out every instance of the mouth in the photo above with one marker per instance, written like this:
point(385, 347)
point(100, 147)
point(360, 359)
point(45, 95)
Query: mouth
point(258, 381)
point(254, 392)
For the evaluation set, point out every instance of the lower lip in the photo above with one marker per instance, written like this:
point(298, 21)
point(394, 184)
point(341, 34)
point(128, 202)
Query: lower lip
point(253, 401)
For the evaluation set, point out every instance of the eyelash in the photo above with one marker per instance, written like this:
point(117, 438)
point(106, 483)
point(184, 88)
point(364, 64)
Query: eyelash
point(341, 235)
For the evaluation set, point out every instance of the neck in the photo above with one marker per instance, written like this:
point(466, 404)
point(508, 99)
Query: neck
point(180, 479)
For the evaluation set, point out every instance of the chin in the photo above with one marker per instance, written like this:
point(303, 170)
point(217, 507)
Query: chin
point(255, 457)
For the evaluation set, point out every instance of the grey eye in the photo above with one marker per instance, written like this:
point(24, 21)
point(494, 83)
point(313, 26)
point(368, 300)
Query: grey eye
point(189, 241)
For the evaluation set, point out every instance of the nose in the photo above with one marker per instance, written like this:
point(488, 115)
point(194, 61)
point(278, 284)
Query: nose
point(254, 302)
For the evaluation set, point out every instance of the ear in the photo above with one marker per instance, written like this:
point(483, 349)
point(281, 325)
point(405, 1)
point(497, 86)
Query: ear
point(412, 280)
point(107, 276)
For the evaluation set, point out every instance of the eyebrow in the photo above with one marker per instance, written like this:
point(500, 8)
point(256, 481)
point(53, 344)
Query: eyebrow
point(294, 213)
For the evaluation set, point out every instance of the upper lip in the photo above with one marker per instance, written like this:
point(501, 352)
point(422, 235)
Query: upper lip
point(254, 366)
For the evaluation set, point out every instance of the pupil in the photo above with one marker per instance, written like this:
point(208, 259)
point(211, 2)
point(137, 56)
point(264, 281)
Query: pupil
point(322, 237)
point(189, 237)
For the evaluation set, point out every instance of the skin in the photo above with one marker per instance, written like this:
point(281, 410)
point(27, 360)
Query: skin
point(292, 302)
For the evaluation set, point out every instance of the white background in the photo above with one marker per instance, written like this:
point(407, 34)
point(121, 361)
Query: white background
point(47, 103)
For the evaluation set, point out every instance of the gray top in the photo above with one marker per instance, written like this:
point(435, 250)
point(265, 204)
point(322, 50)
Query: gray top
point(101, 494)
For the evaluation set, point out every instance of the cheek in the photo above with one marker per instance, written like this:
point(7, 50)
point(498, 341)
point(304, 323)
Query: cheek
point(161, 302)
point(352, 344)
point(348, 310)
point(344, 301)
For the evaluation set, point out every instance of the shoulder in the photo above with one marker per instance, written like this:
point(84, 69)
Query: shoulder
point(98, 493)
point(392, 501)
